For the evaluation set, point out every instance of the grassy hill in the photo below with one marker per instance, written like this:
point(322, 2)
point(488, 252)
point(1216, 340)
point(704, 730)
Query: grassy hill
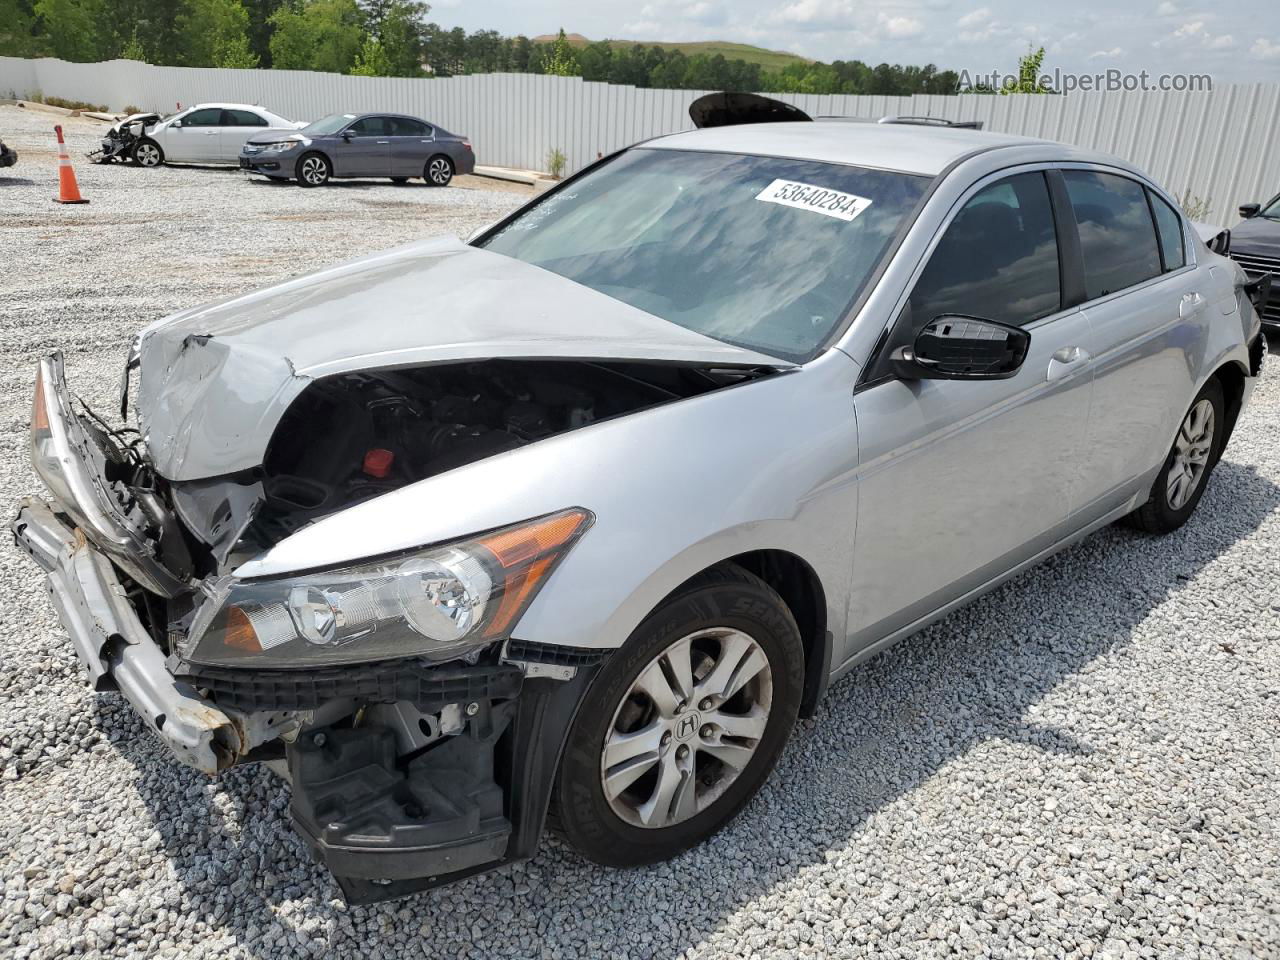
point(769, 59)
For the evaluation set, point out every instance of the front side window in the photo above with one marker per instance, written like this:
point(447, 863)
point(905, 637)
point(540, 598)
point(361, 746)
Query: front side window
point(762, 252)
point(1117, 235)
point(1169, 228)
point(242, 118)
point(209, 117)
point(998, 259)
point(371, 127)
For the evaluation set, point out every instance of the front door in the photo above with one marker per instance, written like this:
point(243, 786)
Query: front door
point(197, 140)
point(364, 149)
point(960, 481)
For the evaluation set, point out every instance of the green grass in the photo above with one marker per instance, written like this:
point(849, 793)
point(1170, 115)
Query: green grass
point(769, 59)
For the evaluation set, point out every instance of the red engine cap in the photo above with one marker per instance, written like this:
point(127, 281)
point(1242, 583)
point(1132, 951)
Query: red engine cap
point(377, 462)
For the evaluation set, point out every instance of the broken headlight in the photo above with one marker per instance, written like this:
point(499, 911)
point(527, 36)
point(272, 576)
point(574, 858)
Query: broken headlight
point(439, 602)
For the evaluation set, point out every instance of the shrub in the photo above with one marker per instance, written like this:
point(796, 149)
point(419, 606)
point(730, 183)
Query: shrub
point(555, 163)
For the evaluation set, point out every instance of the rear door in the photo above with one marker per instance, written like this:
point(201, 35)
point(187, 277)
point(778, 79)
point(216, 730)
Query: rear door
point(960, 481)
point(237, 127)
point(1146, 307)
point(411, 144)
point(197, 140)
point(366, 152)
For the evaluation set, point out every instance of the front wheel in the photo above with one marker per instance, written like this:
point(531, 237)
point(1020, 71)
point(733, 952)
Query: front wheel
point(438, 171)
point(148, 153)
point(1182, 479)
point(313, 170)
point(683, 724)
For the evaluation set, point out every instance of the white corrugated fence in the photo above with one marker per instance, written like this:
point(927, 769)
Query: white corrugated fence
point(1221, 146)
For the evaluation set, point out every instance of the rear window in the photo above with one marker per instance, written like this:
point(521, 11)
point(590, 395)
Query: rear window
point(242, 118)
point(1117, 234)
point(761, 252)
point(404, 127)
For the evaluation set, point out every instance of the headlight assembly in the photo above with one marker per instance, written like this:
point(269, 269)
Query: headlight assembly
point(438, 602)
point(280, 147)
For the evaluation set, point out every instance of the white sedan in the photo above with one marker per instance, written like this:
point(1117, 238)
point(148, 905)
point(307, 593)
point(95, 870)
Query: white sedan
point(206, 133)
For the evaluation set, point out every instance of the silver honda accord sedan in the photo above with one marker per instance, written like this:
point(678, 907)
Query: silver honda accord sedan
point(580, 516)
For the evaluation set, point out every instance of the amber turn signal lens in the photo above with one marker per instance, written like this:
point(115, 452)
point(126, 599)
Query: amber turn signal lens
point(39, 413)
point(239, 632)
point(536, 545)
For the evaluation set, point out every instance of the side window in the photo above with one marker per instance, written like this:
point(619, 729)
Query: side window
point(211, 117)
point(370, 127)
point(1173, 253)
point(998, 259)
point(242, 118)
point(404, 127)
point(1117, 235)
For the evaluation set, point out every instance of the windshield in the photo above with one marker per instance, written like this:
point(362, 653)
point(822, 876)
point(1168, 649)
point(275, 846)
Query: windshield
point(760, 252)
point(1272, 210)
point(329, 124)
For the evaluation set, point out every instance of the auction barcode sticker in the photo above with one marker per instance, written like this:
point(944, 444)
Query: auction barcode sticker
point(806, 196)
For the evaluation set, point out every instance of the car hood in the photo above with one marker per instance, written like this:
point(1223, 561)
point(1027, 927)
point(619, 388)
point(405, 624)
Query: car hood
point(1257, 235)
point(215, 380)
point(146, 119)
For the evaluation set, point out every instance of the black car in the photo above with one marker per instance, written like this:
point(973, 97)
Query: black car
point(1255, 245)
point(360, 145)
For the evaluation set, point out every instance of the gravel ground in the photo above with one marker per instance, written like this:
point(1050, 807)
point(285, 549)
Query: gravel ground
point(1083, 763)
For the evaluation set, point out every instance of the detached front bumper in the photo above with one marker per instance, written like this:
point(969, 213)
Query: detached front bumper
point(115, 649)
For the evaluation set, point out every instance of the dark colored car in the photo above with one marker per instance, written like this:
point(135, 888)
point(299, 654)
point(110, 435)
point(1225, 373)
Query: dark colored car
point(360, 145)
point(7, 157)
point(1255, 245)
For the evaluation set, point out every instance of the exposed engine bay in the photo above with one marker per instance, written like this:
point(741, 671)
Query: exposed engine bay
point(122, 137)
point(352, 437)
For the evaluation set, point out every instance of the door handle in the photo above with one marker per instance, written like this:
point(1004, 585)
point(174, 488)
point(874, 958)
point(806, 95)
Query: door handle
point(384, 142)
point(1065, 361)
point(1190, 303)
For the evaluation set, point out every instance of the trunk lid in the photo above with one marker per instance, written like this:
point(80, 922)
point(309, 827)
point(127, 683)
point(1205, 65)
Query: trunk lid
point(215, 380)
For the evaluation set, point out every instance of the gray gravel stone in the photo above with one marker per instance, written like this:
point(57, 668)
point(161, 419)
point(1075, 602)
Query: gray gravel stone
point(1074, 766)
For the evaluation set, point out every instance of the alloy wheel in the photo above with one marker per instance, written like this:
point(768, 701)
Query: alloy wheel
point(314, 171)
point(439, 172)
point(688, 726)
point(147, 154)
point(1190, 455)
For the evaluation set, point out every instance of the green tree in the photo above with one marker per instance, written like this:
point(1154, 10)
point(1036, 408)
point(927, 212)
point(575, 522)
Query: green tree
point(372, 60)
point(1029, 70)
point(17, 30)
point(70, 28)
point(561, 60)
point(323, 35)
point(216, 33)
point(399, 34)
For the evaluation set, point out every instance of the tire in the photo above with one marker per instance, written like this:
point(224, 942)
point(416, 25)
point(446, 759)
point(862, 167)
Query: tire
point(147, 153)
point(313, 170)
point(1192, 457)
point(706, 622)
point(438, 171)
point(399, 180)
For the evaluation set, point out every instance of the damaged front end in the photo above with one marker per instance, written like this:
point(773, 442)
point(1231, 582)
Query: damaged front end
point(122, 137)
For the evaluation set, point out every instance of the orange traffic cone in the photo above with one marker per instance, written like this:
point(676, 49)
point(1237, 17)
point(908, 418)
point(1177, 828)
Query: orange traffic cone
point(68, 192)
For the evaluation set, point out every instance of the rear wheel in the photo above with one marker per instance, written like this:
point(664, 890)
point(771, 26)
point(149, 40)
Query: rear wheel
point(148, 153)
point(1182, 480)
point(683, 724)
point(313, 170)
point(438, 171)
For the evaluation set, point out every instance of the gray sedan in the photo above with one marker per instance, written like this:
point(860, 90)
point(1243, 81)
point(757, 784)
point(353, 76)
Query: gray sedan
point(360, 145)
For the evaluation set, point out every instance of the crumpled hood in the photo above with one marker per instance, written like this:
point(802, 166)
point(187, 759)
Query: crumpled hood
point(147, 120)
point(215, 380)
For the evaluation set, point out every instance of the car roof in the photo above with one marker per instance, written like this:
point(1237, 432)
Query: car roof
point(909, 148)
point(231, 106)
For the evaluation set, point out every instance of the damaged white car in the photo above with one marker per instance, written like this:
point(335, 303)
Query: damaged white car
point(204, 133)
point(583, 514)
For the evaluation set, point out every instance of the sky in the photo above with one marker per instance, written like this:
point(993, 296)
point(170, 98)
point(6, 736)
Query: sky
point(1235, 41)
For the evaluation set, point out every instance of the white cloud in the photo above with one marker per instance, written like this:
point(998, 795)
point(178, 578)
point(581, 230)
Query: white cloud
point(896, 28)
point(1222, 42)
point(1107, 54)
point(818, 13)
point(1191, 28)
point(1264, 49)
point(1167, 9)
point(981, 15)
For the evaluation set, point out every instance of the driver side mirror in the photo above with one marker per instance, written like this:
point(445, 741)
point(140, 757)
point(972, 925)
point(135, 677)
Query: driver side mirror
point(347, 135)
point(176, 124)
point(953, 347)
point(1250, 210)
